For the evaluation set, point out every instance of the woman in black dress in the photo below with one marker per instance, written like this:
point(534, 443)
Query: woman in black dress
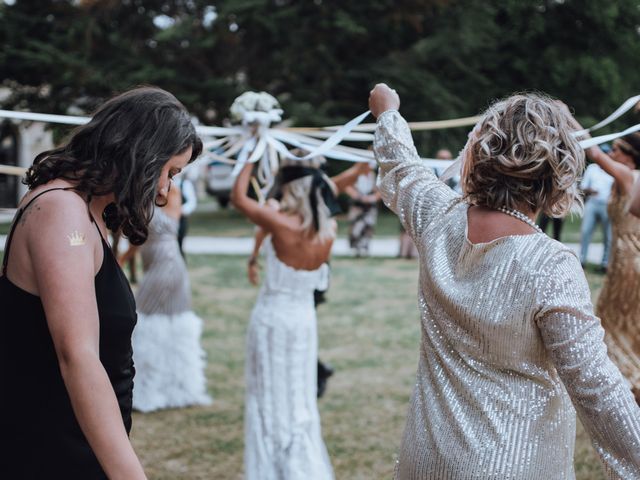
point(68, 313)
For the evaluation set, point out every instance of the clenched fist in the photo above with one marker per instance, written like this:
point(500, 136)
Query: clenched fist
point(383, 98)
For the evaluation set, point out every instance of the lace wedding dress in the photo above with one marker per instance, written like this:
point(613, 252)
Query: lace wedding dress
point(282, 425)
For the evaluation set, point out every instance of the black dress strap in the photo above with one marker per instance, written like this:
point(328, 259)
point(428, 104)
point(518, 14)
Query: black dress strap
point(21, 210)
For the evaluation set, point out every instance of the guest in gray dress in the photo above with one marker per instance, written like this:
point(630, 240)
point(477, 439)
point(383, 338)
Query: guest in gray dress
point(167, 354)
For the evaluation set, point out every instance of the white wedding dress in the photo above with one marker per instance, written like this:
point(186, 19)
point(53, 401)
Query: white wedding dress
point(282, 424)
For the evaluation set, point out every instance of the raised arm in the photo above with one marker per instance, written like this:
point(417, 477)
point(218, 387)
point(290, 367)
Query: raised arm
point(573, 337)
point(64, 276)
point(622, 174)
point(253, 266)
point(407, 186)
point(345, 179)
point(261, 215)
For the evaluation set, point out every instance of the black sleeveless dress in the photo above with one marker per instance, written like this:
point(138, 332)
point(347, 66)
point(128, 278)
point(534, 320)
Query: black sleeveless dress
point(42, 438)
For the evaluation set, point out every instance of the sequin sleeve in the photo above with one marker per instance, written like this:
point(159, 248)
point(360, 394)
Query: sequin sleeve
point(408, 187)
point(573, 337)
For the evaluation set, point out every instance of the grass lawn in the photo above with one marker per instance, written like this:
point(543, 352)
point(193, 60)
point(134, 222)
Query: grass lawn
point(369, 332)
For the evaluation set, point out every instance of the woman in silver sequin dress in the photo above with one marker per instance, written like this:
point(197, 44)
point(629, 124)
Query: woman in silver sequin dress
point(169, 360)
point(509, 338)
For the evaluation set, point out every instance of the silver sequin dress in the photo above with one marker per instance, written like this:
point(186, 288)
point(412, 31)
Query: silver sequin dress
point(509, 342)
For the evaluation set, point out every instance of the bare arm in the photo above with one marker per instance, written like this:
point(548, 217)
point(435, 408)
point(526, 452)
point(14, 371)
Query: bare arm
point(622, 174)
point(347, 178)
point(634, 205)
point(64, 275)
point(253, 267)
point(262, 215)
point(128, 255)
point(352, 192)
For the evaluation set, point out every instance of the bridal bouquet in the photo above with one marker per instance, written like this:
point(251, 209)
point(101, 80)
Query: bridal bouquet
point(251, 107)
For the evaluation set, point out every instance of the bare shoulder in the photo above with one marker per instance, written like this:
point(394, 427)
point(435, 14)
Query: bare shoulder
point(58, 220)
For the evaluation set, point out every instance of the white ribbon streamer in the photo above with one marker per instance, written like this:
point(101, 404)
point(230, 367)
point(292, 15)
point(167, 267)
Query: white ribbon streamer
point(621, 110)
point(44, 117)
point(254, 141)
point(590, 142)
point(12, 170)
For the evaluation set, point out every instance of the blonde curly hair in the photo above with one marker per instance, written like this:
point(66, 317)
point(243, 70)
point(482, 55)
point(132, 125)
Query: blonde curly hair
point(521, 155)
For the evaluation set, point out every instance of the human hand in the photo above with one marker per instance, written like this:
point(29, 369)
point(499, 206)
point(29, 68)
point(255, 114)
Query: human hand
point(253, 271)
point(383, 98)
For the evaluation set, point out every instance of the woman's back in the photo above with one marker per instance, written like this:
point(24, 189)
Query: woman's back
point(507, 331)
point(478, 307)
point(298, 283)
point(298, 248)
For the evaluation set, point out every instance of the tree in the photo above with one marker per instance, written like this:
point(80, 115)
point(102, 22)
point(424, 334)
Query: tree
point(447, 58)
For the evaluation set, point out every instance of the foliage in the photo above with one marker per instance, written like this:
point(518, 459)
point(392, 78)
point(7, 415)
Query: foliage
point(447, 58)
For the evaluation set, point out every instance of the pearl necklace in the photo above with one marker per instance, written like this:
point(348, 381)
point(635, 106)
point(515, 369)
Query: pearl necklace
point(520, 216)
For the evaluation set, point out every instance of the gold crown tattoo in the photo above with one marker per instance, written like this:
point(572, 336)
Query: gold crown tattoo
point(76, 239)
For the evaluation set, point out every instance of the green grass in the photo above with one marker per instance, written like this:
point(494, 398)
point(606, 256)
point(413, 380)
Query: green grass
point(369, 332)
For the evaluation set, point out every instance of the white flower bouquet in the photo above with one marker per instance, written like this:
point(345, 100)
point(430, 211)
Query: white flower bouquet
point(253, 107)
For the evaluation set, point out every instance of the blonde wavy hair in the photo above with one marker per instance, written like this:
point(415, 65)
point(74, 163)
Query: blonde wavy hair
point(295, 199)
point(521, 155)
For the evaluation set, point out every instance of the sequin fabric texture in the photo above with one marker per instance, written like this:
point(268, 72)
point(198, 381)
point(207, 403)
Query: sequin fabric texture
point(619, 300)
point(509, 341)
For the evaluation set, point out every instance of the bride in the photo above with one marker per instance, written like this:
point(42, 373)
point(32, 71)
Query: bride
point(282, 424)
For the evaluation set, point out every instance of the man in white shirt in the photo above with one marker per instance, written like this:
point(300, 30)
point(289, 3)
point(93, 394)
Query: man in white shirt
point(596, 185)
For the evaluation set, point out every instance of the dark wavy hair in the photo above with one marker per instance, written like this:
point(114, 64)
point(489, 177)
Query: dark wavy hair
point(122, 151)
